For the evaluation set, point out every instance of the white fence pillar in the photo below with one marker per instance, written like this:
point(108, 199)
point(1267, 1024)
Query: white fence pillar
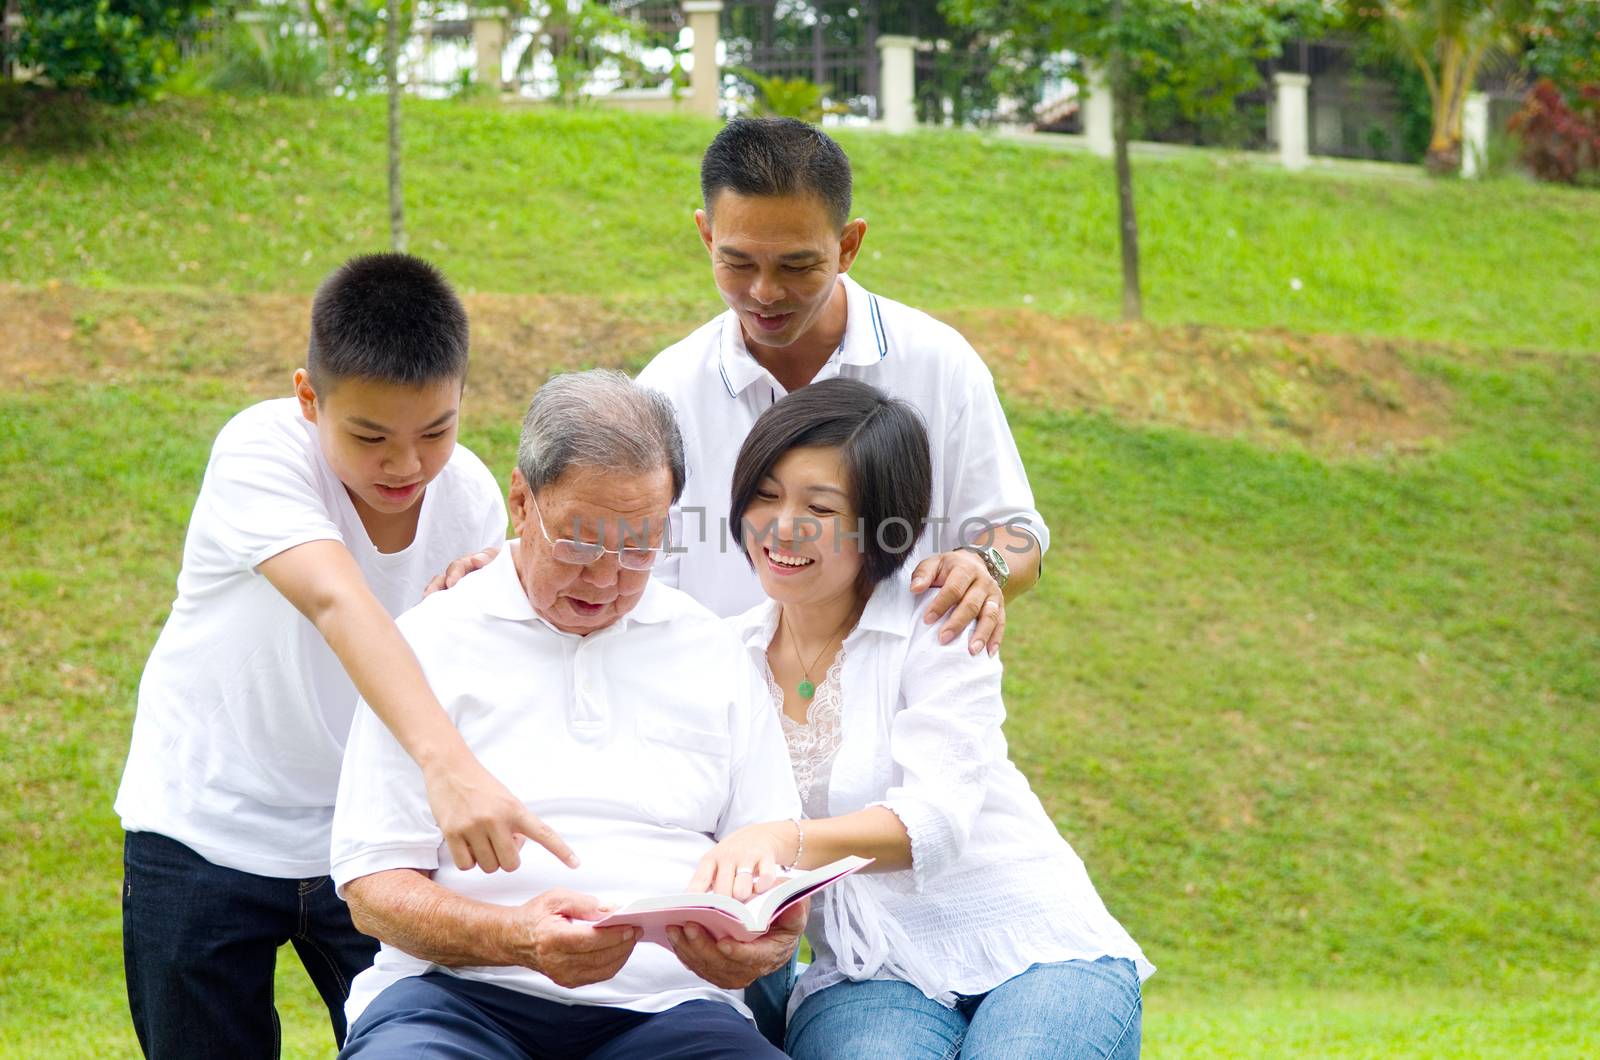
point(1474, 134)
point(897, 82)
point(489, 46)
point(1293, 125)
point(705, 80)
point(1097, 116)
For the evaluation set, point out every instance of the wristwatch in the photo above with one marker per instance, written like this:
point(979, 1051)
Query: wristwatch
point(999, 570)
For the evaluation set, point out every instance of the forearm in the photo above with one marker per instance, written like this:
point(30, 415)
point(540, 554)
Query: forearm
point(386, 673)
point(1021, 552)
point(874, 832)
point(407, 910)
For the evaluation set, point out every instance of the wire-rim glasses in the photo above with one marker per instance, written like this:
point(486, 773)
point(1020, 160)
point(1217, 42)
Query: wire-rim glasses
point(583, 553)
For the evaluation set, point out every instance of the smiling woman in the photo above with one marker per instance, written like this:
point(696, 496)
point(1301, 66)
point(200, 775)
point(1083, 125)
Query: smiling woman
point(981, 930)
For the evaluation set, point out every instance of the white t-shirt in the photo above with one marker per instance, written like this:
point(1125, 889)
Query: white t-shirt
point(640, 744)
point(718, 389)
point(243, 707)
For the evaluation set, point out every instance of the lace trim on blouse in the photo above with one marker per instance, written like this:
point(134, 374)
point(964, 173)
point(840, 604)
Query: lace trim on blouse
point(814, 742)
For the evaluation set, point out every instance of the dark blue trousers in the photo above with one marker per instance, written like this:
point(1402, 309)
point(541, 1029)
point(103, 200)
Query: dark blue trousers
point(444, 1017)
point(200, 942)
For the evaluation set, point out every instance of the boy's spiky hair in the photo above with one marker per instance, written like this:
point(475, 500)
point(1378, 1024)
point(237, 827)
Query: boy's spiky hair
point(389, 318)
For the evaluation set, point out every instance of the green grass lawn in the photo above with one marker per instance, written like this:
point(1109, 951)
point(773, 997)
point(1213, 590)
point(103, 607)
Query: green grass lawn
point(1324, 730)
point(269, 195)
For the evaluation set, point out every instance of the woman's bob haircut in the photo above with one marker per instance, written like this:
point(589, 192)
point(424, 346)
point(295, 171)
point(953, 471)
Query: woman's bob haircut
point(883, 446)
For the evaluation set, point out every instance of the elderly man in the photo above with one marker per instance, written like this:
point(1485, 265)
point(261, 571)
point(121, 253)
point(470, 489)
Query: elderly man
point(623, 713)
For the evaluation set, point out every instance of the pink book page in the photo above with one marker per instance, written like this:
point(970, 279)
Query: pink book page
point(655, 923)
point(702, 909)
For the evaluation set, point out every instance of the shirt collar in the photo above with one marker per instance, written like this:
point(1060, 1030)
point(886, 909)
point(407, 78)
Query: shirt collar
point(885, 613)
point(500, 595)
point(865, 340)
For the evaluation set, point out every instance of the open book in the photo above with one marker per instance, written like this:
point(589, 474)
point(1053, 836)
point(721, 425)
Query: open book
point(726, 917)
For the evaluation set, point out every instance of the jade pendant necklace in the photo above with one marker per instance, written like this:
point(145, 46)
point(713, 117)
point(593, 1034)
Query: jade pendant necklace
point(807, 687)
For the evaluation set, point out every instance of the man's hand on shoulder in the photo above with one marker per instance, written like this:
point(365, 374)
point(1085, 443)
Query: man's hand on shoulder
point(734, 965)
point(557, 940)
point(459, 569)
point(966, 592)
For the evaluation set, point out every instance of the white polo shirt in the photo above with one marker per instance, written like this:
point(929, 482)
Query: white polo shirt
point(243, 707)
point(641, 744)
point(718, 389)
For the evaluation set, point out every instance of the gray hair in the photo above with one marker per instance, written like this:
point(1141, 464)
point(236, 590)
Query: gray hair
point(599, 419)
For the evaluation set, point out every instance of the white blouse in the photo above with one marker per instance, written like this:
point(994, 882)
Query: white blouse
point(992, 888)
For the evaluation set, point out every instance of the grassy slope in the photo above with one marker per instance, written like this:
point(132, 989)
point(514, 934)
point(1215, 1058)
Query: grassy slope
point(1324, 732)
point(267, 196)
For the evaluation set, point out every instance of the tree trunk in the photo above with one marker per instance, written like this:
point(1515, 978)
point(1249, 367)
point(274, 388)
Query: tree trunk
point(1127, 220)
point(397, 224)
point(1444, 145)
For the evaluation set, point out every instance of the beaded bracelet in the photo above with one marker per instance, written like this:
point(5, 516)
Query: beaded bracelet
point(800, 844)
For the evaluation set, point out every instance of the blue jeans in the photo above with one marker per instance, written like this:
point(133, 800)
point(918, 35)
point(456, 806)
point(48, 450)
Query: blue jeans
point(1068, 1010)
point(199, 944)
point(445, 1017)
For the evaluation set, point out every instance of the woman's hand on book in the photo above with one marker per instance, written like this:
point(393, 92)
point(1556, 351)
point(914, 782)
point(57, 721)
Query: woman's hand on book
point(747, 862)
point(734, 965)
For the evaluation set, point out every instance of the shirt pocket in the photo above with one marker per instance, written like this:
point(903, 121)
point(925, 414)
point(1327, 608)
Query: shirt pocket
point(684, 773)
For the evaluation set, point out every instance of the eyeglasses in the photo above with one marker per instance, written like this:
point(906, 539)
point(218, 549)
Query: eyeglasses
point(583, 553)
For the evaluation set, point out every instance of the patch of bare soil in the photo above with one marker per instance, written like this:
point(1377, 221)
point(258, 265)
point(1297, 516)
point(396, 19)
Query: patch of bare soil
point(1333, 394)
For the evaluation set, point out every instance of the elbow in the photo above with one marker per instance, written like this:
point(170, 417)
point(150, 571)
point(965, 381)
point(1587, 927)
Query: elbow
point(358, 897)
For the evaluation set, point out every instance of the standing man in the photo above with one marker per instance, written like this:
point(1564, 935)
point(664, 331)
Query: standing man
point(776, 223)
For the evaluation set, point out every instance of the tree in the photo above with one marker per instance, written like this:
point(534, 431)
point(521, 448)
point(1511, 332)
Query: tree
point(579, 36)
point(1198, 56)
point(1448, 41)
point(355, 36)
point(113, 50)
point(1563, 42)
point(391, 71)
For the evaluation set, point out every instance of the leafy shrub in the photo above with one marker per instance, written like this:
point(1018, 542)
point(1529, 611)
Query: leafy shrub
point(1560, 142)
point(113, 50)
point(270, 60)
point(787, 97)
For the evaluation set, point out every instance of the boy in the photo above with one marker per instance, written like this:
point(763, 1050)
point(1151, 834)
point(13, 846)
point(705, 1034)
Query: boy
point(320, 518)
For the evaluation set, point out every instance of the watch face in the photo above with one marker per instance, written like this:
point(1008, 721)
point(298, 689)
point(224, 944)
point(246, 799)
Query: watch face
point(999, 561)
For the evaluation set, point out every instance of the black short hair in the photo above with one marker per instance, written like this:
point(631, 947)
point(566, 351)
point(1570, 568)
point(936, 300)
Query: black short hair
point(777, 156)
point(390, 318)
point(884, 447)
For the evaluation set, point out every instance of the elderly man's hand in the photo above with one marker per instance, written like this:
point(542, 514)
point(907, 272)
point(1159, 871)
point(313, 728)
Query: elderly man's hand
point(557, 941)
point(459, 569)
point(966, 592)
point(734, 965)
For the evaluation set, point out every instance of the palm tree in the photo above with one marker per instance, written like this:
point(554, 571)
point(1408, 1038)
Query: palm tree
point(1450, 41)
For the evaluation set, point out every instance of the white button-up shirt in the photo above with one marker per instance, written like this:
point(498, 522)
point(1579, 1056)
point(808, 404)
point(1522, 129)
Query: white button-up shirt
point(718, 389)
point(993, 887)
point(640, 744)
